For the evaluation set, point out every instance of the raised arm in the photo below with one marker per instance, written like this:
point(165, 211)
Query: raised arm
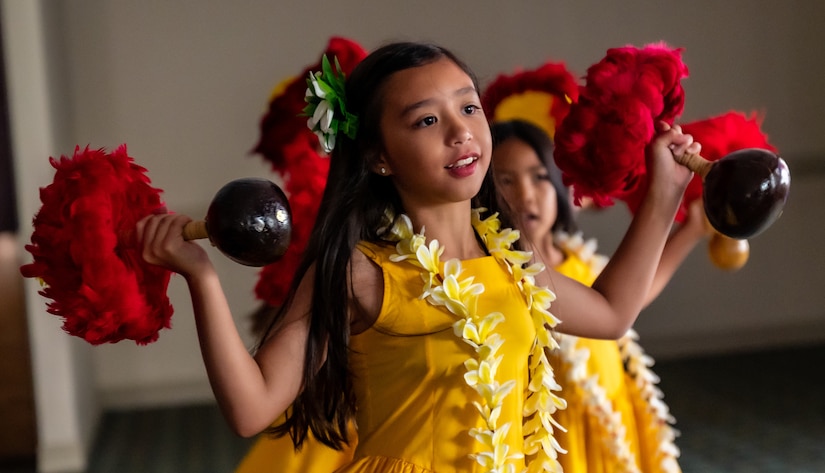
point(617, 296)
point(251, 391)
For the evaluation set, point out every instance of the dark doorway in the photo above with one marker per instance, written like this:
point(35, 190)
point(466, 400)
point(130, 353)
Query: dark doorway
point(8, 203)
point(18, 435)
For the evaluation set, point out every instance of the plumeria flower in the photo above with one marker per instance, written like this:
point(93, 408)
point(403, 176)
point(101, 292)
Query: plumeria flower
point(459, 296)
point(488, 226)
point(449, 295)
point(492, 343)
point(530, 272)
point(315, 89)
point(543, 464)
point(401, 229)
point(498, 395)
point(503, 240)
point(322, 117)
point(543, 400)
point(429, 256)
point(577, 357)
point(542, 425)
point(326, 105)
point(478, 372)
point(489, 414)
point(388, 222)
point(496, 459)
point(327, 141)
point(479, 332)
point(408, 242)
point(543, 379)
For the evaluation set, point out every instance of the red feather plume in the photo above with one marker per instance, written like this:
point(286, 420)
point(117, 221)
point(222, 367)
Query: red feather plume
point(86, 255)
point(600, 145)
point(551, 78)
point(294, 153)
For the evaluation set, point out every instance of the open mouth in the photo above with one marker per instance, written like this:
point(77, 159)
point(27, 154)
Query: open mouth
point(462, 162)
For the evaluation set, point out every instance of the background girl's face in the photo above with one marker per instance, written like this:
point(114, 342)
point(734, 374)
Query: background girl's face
point(525, 184)
point(436, 140)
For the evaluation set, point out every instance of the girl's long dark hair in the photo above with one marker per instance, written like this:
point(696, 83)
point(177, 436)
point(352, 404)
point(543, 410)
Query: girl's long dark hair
point(537, 139)
point(352, 209)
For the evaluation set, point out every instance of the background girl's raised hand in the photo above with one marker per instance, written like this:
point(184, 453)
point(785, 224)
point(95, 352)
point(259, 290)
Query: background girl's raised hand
point(161, 237)
point(695, 220)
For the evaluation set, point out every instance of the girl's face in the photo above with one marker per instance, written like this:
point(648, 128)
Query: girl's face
point(436, 140)
point(525, 184)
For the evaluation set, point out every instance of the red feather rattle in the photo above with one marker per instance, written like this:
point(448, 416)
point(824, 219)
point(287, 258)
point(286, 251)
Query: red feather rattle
point(87, 258)
point(600, 144)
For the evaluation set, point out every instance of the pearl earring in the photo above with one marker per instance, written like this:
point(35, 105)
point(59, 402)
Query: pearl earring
point(383, 170)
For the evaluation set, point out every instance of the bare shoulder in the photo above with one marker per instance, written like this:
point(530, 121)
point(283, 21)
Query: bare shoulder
point(366, 282)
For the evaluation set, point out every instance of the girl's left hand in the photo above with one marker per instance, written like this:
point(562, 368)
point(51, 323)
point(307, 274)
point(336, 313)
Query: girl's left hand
point(668, 178)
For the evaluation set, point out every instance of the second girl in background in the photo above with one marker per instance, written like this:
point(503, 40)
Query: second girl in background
point(615, 420)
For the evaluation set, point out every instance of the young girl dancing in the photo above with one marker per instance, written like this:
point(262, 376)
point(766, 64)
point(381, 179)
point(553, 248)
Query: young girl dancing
point(615, 420)
point(414, 311)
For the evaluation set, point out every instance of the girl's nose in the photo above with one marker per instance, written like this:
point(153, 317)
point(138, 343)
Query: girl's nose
point(523, 193)
point(462, 136)
point(460, 132)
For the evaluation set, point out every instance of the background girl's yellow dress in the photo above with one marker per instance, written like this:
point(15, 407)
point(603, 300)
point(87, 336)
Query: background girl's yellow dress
point(590, 445)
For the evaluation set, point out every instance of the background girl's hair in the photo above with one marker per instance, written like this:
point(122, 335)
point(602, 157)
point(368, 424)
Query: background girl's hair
point(537, 139)
point(352, 209)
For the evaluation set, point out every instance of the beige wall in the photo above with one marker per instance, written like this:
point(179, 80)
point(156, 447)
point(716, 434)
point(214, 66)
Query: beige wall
point(185, 82)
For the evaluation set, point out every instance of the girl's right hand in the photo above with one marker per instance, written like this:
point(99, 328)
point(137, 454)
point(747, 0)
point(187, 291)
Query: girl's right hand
point(161, 239)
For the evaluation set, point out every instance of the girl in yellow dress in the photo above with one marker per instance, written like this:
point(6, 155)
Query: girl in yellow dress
point(615, 419)
point(415, 312)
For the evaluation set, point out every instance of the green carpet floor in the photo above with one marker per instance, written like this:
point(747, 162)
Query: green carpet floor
point(751, 413)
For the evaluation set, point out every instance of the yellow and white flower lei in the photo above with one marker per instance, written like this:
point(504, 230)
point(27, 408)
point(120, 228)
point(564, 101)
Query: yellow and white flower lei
point(638, 366)
point(443, 287)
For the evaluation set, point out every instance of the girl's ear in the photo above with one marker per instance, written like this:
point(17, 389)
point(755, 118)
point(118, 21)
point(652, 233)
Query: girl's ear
point(381, 167)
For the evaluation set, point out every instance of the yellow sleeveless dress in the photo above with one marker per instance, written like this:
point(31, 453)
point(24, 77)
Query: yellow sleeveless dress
point(398, 438)
point(587, 441)
point(414, 407)
point(277, 455)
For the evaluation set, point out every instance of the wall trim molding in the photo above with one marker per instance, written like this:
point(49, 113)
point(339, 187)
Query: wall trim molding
point(65, 458)
point(159, 395)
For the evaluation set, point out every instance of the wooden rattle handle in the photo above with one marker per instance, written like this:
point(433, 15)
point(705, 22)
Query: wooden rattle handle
point(195, 230)
point(695, 163)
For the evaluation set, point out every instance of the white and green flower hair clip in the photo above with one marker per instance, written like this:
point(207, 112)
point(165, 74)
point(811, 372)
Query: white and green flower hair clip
point(326, 105)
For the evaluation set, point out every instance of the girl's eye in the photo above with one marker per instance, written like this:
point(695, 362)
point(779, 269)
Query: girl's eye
point(425, 122)
point(542, 177)
point(471, 109)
